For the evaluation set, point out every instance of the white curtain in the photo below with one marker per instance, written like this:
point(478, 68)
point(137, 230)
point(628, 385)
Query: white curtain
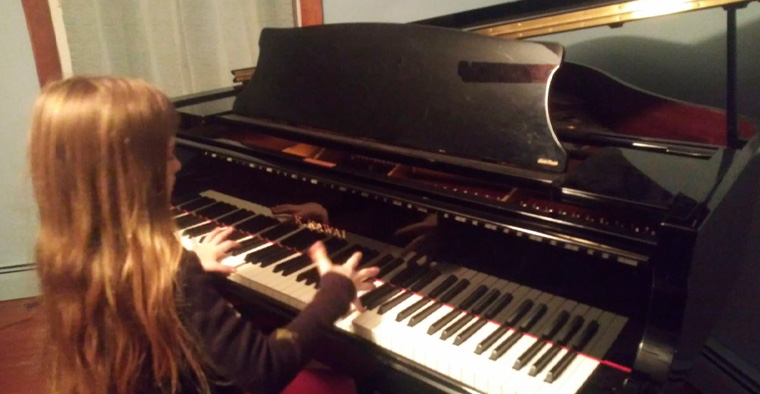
point(180, 46)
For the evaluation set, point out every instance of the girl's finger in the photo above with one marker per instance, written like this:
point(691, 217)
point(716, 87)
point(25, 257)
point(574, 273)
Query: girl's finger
point(220, 234)
point(358, 305)
point(353, 261)
point(366, 274)
point(284, 208)
point(318, 255)
point(366, 286)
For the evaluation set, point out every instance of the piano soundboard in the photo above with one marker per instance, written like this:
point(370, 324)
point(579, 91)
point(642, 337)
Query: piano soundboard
point(488, 334)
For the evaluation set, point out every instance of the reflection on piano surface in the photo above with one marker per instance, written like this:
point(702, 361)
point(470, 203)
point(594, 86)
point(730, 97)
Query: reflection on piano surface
point(512, 258)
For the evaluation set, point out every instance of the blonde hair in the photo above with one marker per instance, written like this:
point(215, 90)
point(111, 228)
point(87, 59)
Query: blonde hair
point(106, 253)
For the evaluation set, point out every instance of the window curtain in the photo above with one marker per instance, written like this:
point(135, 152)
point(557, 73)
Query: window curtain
point(180, 46)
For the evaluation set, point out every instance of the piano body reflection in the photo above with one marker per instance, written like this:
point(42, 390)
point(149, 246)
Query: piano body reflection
point(525, 244)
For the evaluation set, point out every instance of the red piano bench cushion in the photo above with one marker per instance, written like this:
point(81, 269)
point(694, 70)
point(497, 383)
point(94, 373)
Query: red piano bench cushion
point(320, 381)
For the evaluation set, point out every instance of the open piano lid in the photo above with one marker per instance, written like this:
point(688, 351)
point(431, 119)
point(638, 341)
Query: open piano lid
point(436, 95)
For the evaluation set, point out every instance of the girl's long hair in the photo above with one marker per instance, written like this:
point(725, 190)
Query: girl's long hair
point(106, 252)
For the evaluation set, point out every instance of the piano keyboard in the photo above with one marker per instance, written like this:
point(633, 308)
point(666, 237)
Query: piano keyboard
point(487, 333)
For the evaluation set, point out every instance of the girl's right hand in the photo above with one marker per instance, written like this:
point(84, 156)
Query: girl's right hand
point(363, 279)
point(213, 247)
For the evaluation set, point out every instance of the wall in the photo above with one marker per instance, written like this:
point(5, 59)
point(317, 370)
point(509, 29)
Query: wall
point(18, 77)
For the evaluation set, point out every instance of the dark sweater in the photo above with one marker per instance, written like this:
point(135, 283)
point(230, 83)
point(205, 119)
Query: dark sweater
point(247, 359)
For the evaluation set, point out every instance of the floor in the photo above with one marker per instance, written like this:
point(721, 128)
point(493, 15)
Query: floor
point(21, 348)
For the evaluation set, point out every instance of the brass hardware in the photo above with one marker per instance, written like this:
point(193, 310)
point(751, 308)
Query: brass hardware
point(599, 16)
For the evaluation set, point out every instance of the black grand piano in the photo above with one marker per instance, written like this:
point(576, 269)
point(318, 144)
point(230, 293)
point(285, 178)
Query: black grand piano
point(539, 227)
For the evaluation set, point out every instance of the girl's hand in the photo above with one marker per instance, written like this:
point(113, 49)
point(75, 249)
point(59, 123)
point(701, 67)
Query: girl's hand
point(363, 278)
point(213, 247)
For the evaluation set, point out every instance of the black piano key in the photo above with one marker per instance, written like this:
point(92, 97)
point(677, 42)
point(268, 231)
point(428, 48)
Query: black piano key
point(560, 367)
point(487, 300)
point(236, 235)
point(544, 360)
point(340, 257)
point(443, 321)
point(491, 339)
point(419, 317)
point(200, 230)
point(499, 306)
point(469, 331)
point(369, 254)
point(403, 279)
point(302, 276)
point(255, 224)
point(279, 230)
point(188, 220)
point(176, 211)
point(269, 260)
point(454, 291)
point(519, 313)
point(537, 314)
point(216, 210)
point(506, 345)
point(185, 198)
point(334, 244)
point(473, 297)
point(557, 325)
point(454, 327)
point(548, 334)
point(528, 355)
point(412, 308)
point(372, 294)
point(196, 204)
point(466, 304)
point(389, 267)
point(312, 277)
point(263, 254)
point(443, 286)
point(586, 337)
point(429, 277)
point(237, 216)
point(575, 326)
point(292, 265)
point(247, 245)
point(394, 302)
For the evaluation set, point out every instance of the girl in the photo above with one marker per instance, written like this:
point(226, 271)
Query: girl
point(128, 310)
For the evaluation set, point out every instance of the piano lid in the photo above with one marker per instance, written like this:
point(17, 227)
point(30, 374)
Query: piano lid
point(441, 95)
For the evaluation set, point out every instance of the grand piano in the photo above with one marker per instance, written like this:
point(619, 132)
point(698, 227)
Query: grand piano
point(538, 226)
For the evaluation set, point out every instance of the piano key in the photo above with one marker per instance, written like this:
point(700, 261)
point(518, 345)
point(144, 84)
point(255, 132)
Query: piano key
point(256, 224)
point(200, 230)
point(568, 333)
point(441, 287)
point(435, 354)
point(216, 210)
point(428, 278)
point(197, 203)
point(235, 217)
point(189, 220)
point(447, 297)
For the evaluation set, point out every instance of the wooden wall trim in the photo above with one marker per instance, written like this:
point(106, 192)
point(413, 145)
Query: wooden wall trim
point(40, 26)
point(311, 12)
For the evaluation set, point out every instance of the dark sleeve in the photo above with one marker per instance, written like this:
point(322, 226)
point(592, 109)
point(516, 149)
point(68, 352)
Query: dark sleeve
point(254, 361)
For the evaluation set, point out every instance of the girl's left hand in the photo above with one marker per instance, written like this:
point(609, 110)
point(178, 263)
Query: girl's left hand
point(213, 247)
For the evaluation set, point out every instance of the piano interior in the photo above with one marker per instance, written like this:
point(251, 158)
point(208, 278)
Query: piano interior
point(520, 279)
